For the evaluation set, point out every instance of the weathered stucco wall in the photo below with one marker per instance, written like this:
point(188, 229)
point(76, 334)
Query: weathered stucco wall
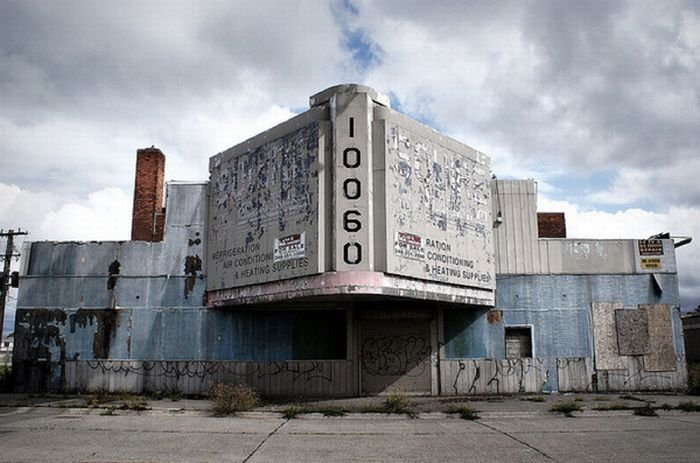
point(350, 188)
point(266, 208)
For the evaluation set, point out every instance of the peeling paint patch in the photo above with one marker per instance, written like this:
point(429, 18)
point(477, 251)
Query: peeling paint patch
point(40, 349)
point(105, 323)
point(258, 196)
point(494, 316)
point(113, 270)
point(193, 265)
point(440, 193)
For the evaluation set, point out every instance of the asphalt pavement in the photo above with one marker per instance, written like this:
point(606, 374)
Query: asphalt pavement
point(509, 429)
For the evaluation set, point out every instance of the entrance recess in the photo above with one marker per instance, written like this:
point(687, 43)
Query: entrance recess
point(395, 354)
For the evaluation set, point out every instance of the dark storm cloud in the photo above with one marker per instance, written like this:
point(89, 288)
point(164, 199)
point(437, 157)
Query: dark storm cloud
point(84, 84)
point(619, 76)
point(579, 87)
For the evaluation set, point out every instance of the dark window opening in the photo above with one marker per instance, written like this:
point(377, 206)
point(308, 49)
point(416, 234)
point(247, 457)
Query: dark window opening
point(518, 342)
point(319, 335)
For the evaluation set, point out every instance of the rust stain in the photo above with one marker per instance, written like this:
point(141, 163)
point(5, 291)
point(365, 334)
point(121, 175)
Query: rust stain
point(193, 264)
point(105, 321)
point(494, 316)
point(113, 270)
point(38, 334)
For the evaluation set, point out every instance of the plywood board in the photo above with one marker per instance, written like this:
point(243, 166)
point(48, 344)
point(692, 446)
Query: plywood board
point(632, 332)
point(605, 336)
point(663, 355)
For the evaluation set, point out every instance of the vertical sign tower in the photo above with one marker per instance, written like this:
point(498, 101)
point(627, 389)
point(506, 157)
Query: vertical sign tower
point(351, 113)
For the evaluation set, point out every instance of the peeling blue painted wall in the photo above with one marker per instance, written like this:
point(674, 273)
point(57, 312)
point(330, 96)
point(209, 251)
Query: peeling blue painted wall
point(558, 308)
point(469, 334)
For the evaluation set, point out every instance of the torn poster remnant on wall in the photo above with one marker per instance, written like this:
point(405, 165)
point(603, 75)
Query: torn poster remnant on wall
point(264, 202)
point(438, 209)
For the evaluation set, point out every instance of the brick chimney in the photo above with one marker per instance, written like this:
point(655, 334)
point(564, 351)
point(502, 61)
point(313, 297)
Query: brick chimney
point(148, 214)
point(551, 225)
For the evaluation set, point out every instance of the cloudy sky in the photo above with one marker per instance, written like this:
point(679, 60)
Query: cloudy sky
point(599, 101)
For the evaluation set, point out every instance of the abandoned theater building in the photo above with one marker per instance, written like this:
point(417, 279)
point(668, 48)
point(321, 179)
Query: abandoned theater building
point(347, 251)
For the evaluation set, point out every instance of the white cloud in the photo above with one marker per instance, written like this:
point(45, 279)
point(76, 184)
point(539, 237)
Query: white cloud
point(100, 215)
point(671, 183)
point(103, 215)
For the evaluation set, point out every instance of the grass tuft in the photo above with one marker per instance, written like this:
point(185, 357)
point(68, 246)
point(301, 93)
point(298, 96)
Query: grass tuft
point(534, 398)
point(646, 410)
point(688, 406)
point(567, 408)
point(694, 378)
point(614, 406)
point(111, 411)
point(229, 399)
point(464, 411)
point(632, 397)
point(294, 410)
point(135, 404)
point(397, 402)
point(334, 411)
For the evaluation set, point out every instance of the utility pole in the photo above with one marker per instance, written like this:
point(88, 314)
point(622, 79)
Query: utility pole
point(4, 284)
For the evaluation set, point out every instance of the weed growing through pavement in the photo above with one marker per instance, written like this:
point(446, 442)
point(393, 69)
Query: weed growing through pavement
point(137, 404)
point(567, 408)
point(109, 411)
point(646, 410)
point(632, 397)
point(694, 378)
point(464, 411)
point(334, 411)
point(614, 406)
point(229, 399)
point(397, 402)
point(173, 394)
point(294, 410)
point(534, 398)
point(688, 406)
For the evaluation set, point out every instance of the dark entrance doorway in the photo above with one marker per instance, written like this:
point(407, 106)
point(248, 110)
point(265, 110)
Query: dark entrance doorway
point(395, 354)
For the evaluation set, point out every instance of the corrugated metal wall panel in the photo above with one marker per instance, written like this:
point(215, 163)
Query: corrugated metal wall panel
point(313, 379)
point(575, 374)
point(491, 376)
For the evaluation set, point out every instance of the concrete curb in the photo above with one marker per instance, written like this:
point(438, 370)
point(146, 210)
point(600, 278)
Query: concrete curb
point(175, 411)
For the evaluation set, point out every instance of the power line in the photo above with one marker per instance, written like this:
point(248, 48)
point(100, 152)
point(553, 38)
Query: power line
point(4, 284)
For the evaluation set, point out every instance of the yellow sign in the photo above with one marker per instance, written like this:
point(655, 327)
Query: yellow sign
point(650, 264)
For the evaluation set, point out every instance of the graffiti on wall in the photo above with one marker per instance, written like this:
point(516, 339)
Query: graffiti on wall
point(578, 375)
point(395, 355)
point(195, 377)
point(482, 376)
point(306, 371)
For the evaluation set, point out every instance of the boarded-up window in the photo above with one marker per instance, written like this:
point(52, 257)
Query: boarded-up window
point(518, 342)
